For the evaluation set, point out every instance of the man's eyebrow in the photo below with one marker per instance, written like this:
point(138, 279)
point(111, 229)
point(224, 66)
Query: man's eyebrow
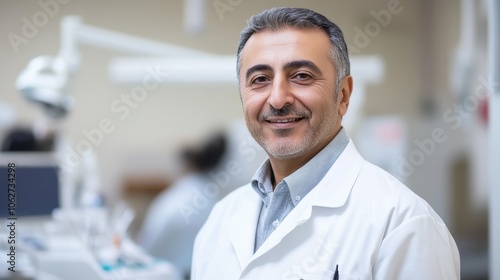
point(302, 63)
point(257, 67)
point(289, 65)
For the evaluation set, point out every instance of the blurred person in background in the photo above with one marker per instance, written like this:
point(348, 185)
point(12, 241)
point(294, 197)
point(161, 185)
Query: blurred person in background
point(176, 215)
point(315, 209)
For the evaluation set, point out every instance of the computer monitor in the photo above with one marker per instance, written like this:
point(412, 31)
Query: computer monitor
point(36, 183)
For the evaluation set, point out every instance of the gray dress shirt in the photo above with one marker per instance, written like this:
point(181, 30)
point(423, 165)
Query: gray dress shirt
point(288, 193)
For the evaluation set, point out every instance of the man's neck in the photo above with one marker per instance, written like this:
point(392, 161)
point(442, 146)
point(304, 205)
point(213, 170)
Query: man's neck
point(285, 167)
point(282, 168)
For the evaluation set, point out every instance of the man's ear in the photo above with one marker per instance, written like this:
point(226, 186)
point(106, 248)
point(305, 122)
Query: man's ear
point(345, 90)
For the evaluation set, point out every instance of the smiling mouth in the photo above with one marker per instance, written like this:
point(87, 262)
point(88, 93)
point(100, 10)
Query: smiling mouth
point(289, 120)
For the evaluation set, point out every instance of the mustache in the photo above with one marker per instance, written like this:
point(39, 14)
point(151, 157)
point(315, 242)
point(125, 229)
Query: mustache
point(285, 111)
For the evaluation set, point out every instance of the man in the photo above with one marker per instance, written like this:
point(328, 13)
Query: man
point(315, 209)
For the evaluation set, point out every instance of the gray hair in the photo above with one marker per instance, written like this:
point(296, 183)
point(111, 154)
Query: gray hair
point(279, 18)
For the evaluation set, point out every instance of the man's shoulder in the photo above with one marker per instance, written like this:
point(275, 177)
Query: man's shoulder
point(386, 190)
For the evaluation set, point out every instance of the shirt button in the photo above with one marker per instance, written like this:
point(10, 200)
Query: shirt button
point(297, 198)
point(276, 223)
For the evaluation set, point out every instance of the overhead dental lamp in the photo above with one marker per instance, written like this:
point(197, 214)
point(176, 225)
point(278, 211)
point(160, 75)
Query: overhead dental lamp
point(45, 81)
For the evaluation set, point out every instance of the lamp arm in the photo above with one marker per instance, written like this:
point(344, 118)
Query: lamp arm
point(75, 32)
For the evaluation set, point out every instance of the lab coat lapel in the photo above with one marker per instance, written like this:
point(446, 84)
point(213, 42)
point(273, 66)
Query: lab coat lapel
point(243, 227)
point(332, 191)
point(299, 215)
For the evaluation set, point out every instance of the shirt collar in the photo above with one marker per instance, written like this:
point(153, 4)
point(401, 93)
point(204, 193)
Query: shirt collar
point(302, 181)
point(261, 182)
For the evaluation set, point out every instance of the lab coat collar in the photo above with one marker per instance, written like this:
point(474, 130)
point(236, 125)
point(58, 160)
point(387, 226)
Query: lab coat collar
point(244, 224)
point(332, 191)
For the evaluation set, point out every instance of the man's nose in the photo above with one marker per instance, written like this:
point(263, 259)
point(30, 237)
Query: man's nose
point(281, 94)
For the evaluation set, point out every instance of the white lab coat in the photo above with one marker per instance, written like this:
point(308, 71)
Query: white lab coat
point(358, 217)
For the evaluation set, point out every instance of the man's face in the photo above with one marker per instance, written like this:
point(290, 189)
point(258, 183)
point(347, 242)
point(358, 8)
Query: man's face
point(288, 92)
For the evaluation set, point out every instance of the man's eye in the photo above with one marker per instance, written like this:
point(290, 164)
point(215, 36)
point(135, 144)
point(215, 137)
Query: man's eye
point(260, 79)
point(302, 76)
